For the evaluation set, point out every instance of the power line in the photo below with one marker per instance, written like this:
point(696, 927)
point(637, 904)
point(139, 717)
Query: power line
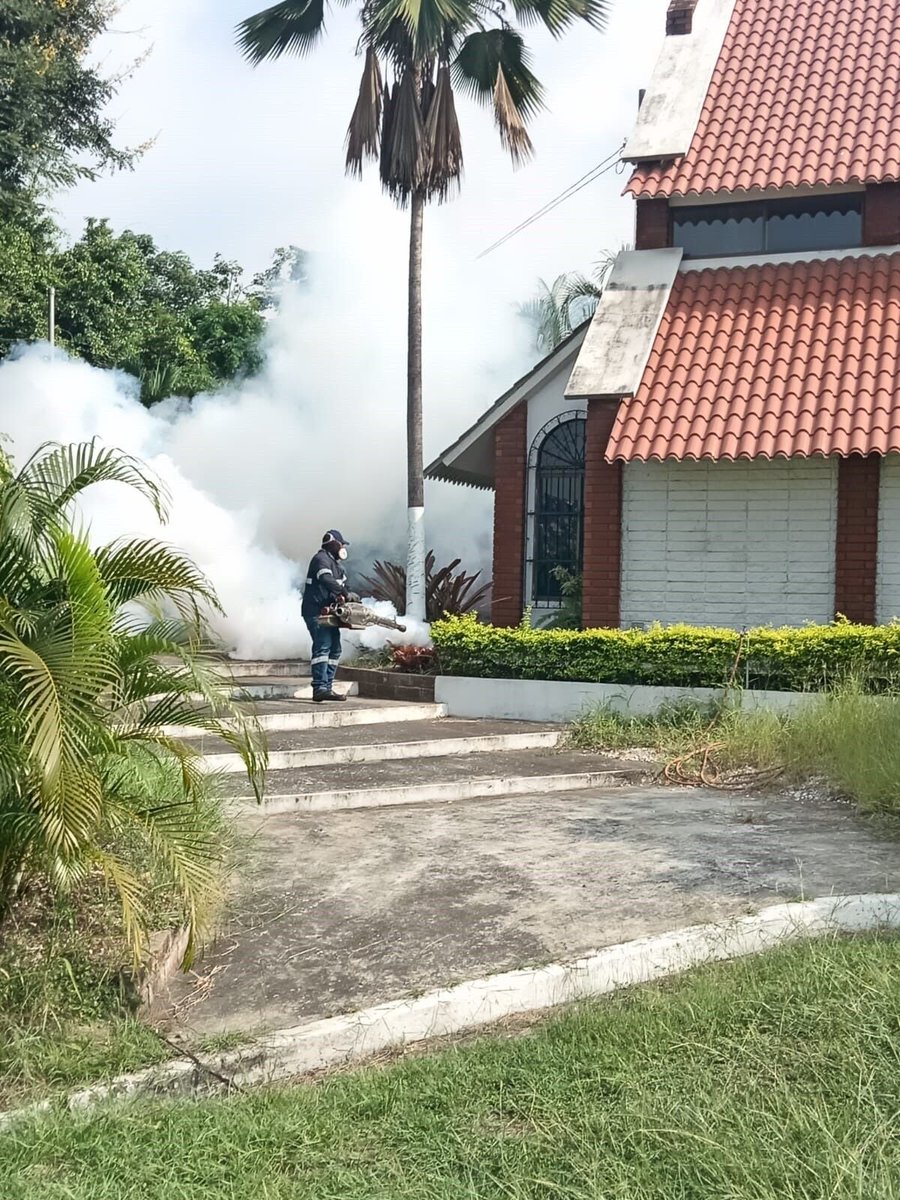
point(595, 172)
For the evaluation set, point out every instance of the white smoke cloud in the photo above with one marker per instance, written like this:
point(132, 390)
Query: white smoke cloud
point(316, 440)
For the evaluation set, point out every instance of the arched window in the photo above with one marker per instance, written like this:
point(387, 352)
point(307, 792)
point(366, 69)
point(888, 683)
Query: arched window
point(557, 464)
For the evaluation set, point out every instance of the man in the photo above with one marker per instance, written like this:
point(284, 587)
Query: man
point(326, 584)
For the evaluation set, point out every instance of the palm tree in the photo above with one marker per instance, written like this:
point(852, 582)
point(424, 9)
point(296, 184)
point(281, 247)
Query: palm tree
point(560, 307)
point(405, 117)
point(102, 652)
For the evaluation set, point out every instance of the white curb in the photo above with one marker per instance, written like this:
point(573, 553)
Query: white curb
point(357, 1036)
point(324, 718)
point(437, 793)
point(312, 756)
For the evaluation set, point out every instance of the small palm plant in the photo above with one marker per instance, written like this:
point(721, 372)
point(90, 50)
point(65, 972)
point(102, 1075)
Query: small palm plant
point(102, 653)
point(447, 591)
point(560, 307)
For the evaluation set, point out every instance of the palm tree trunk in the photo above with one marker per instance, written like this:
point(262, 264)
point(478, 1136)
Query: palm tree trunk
point(415, 558)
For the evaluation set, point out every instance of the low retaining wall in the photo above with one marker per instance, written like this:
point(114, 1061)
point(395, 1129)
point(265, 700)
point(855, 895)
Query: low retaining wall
point(390, 685)
point(559, 700)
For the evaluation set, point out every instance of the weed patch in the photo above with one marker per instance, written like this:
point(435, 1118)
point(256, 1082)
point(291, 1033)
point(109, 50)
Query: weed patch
point(848, 739)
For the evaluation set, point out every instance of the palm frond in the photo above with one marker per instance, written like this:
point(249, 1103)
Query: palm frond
point(290, 27)
point(443, 141)
point(131, 891)
point(510, 121)
point(55, 475)
point(418, 29)
point(404, 157)
point(145, 570)
point(364, 129)
point(481, 58)
point(493, 66)
point(558, 15)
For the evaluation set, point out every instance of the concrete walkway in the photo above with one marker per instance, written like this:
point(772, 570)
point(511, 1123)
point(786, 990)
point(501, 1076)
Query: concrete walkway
point(338, 911)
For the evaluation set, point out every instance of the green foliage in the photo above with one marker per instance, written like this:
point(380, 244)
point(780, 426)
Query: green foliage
point(804, 659)
point(27, 246)
point(848, 739)
point(673, 729)
point(123, 302)
point(768, 1078)
point(53, 124)
point(559, 308)
point(568, 615)
point(290, 265)
point(100, 650)
point(446, 590)
point(853, 741)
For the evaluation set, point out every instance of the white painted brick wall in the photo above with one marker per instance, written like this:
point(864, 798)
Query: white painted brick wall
point(888, 595)
point(733, 544)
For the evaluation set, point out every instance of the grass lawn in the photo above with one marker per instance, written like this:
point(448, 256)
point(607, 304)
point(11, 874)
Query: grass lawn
point(64, 1019)
point(767, 1079)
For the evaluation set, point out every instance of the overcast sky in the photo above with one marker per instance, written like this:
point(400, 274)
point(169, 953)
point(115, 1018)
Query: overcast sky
point(246, 159)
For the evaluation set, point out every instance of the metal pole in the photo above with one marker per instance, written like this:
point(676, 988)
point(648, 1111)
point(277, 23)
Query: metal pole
point(52, 321)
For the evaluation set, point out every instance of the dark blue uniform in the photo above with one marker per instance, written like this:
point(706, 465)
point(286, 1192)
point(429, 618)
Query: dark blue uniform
point(326, 583)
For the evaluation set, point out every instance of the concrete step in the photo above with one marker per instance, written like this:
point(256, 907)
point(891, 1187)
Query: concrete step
point(441, 779)
point(244, 668)
point(288, 688)
point(394, 729)
point(391, 742)
point(282, 715)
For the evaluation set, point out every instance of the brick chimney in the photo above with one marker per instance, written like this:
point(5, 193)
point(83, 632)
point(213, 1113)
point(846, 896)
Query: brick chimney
point(680, 17)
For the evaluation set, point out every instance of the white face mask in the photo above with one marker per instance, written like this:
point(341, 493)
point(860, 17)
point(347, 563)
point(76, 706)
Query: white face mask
point(342, 553)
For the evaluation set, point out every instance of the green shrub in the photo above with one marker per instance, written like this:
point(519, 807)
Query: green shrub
point(100, 650)
point(810, 658)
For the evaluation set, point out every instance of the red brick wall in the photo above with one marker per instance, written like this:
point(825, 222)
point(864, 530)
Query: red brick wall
point(679, 17)
point(881, 215)
point(602, 521)
point(652, 230)
point(510, 476)
point(856, 543)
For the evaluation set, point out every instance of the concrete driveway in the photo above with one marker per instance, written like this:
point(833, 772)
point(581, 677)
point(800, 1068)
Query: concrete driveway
point(336, 912)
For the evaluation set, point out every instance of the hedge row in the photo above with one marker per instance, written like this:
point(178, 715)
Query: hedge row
point(811, 658)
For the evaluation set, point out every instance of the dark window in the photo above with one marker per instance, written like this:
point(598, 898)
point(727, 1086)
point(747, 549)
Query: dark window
point(558, 506)
point(768, 226)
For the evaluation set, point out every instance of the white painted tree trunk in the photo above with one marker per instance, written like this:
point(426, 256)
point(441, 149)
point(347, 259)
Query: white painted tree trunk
point(415, 564)
point(415, 558)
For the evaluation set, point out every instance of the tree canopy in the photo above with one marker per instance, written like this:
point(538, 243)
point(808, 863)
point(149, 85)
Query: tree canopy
point(123, 302)
point(53, 127)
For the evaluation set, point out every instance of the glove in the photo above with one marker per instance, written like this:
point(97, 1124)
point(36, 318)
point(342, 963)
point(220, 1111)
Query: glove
point(353, 597)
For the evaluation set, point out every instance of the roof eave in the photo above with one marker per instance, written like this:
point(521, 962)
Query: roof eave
point(450, 464)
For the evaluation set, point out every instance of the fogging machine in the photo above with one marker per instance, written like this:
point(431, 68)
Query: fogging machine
point(356, 616)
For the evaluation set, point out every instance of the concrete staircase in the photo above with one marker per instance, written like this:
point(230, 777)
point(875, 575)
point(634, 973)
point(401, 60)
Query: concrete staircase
point(370, 753)
point(285, 680)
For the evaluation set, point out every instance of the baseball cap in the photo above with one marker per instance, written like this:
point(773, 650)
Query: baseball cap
point(335, 535)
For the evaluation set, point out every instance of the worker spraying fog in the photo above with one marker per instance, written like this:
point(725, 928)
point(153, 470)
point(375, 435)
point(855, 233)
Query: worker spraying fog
point(328, 607)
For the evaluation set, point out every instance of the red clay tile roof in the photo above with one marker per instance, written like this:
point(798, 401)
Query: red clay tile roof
point(775, 360)
point(805, 92)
